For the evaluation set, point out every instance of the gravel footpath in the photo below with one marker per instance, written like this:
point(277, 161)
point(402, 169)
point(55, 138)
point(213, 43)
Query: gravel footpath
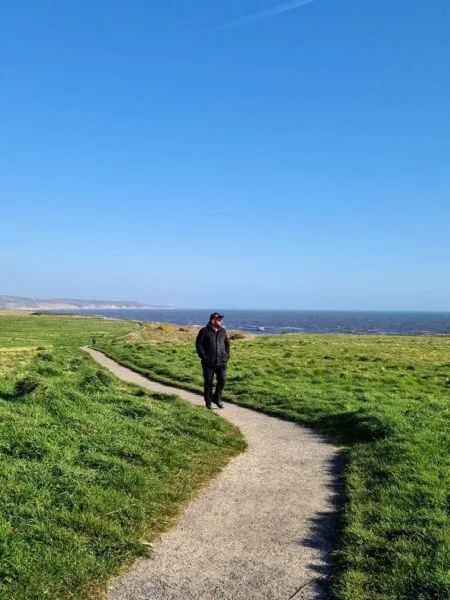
point(262, 530)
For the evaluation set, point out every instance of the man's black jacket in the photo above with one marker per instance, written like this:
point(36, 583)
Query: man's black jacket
point(212, 346)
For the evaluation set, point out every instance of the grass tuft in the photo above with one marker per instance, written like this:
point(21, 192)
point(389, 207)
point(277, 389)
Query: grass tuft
point(25, 386)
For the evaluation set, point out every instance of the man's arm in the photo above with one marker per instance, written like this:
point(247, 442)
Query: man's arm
point(227, 344)
point(199, 345)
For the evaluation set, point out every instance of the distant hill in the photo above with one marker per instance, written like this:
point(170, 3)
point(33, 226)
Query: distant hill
point(19, 303)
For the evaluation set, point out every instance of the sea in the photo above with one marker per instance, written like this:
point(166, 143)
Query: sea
point(297, 321)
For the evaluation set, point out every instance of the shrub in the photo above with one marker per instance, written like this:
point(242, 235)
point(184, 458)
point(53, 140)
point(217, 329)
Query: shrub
point(166, 328)
point(237, 335)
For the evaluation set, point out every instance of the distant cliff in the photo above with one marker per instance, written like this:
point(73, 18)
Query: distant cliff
point(19, 303)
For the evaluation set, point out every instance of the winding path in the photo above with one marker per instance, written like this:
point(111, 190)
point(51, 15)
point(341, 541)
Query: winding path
point(262, 530)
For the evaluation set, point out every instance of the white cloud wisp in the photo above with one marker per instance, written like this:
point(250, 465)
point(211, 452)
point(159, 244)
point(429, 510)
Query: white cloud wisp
point(281, 8)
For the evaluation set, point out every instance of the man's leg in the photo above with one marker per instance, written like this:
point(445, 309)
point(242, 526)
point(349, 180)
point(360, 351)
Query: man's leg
point(221, 374)
point(208, 374)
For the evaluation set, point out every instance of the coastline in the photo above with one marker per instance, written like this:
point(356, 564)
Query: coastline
point(276, 322)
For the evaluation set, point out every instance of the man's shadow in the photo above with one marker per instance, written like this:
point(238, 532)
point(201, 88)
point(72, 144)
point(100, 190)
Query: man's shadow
point(324, 533)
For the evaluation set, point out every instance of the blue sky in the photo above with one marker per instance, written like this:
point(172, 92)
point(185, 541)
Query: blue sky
point(242, 153)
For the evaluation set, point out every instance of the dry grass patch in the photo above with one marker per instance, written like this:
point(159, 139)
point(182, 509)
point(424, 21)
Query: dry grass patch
point(156, 333)
point(15, 360)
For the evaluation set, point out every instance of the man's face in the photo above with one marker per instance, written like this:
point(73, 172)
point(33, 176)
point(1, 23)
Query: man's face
point(217, 322)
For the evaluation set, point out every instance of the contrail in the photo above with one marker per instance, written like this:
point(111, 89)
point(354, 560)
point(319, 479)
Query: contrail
point(268, 13)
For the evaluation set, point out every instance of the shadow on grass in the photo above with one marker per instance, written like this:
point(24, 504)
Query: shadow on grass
point(8, 396)
point(353, 427)
point(325, 530)
point(21, 389)
point(363, 425)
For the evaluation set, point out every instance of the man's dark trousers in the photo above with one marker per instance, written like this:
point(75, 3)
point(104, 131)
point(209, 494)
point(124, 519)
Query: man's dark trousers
point(220, 371)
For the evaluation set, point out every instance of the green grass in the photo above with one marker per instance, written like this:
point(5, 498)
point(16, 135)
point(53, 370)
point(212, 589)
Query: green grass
point(89, 467)
point(386, 399)
point(26, 330)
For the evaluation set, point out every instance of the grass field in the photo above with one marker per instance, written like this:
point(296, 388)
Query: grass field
point(90, 468)
point(387, 400)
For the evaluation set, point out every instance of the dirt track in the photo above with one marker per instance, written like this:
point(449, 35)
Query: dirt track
point(262, 530)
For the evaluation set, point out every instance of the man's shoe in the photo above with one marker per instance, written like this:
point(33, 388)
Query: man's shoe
point(219, 404)
point(208, 406)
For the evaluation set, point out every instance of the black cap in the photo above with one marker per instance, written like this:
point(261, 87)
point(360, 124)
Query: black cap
point(215, 315)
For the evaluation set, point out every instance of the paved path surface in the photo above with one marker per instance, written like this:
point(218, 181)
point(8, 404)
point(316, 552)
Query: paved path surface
point(262, 530)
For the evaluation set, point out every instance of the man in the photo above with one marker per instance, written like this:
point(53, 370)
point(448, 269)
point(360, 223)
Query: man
point(213, 348)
